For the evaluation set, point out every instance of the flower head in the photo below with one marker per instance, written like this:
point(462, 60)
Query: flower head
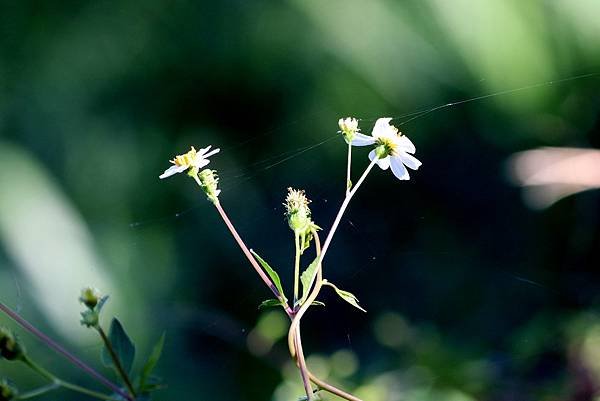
point(191, 160)
point(348, 128)
point(299, 217)
point(10, 346)
point(392, 148)
point(89, 297)
point(7, 391)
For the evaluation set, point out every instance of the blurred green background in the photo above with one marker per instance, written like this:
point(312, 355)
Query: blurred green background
point(472, 295)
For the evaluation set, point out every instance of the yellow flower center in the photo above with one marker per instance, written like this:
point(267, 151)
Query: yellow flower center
point(185, 159)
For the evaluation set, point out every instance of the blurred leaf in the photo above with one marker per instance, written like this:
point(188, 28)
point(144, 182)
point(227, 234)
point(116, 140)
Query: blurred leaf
point(318, 303)
point(306, 278)
point(152, 361)
point(269, 303)
point(153, 383)
point(346, 296)
point(271, 272)
point(121, 344)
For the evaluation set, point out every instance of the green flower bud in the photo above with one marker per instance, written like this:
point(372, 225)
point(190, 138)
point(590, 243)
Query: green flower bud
point(89, 318)
point(209, 182)
point(7, 391)
point(349, 128)
point(89, 297)
point(10, 346)
point(297, 211)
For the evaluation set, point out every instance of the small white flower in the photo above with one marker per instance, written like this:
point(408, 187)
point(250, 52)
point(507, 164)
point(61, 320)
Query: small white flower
point(348, 128)
point(192, 159)
point(393, 149)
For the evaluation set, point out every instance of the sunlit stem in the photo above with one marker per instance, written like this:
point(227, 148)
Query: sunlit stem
point(295, 338)
point(251, 259)
point(62, 351)
point(56, 382)
point(296, 268)
point(116, 360)
point(348, 170)
point(38, 391)
point(303, 369)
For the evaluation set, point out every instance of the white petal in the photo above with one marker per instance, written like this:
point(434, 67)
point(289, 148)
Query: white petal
point(201, 162)
point(212, 152)
point(382, 163)
point(398, 169)
point(406, 144)
point(362, 140)
point(202, 152)
point(383, 128)
point(409, 160)
point(172, 170)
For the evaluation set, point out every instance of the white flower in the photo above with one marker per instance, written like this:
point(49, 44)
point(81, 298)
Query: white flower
point(192, 159)
point(349, 128)
point(393, 149)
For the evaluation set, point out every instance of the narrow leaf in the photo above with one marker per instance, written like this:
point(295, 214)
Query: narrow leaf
point(268, 303)
point(152, 360)
point(101, 303)
point(345, 295)
point(121, 344)
point(306, 278)
point(318, 303)
point(272, 273)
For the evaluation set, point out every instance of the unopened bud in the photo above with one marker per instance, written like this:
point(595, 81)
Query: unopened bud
point(10, 346)
point(209, 182)
point(89, 318)
point(297, 210)
point(7, 391)
point(89, 297)
point(348, 127)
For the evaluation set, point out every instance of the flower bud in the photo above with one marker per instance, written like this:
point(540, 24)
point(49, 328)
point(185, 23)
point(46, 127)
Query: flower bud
point(10, 346)
point(89, 318)
point(348, 127)
point(7, 391)
point(89, 297)
point(297, 210)
point(209, 182)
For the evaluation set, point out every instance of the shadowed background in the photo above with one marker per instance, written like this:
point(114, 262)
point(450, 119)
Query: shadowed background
point(471, 292)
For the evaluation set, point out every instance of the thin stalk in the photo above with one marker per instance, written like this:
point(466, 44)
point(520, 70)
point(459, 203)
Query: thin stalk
point(116, 361)
point(303, 369)
point(348, 170)
point(296, 268)
point(62, 351)
point(57, 382)
point(251, 259)
point(38, 391)
point(296, 343)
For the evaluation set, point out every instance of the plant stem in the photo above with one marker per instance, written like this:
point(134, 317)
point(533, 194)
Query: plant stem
point(296, 268)
point(56, 382)
point(116, 361)
point(251, 259)
point(303, 369)
point(38, 391)
point(348, 169)
point(62, 351)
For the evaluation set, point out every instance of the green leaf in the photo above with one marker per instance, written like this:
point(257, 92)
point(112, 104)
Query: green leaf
point(268, 303)
point(121, 344)
point(272, 273)
point(152, 361)
point(345, 295)
point(306, 278)
point(318, 303)
point(101, 303)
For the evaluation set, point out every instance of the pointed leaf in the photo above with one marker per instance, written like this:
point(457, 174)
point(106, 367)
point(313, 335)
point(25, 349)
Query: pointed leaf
point(271, 272)
point(345, 295)
point(121, 344)
point(318, 303)
point(152, 360)
point(306, 278)
point(268, 303)
point(101, 303)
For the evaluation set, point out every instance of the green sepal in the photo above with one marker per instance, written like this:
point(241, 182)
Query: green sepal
point(269, 303)
point(122, 345)
point(101, 303)
point(345, 295)
point(272, 273)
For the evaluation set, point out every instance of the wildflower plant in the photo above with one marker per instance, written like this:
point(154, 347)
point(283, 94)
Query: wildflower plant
point(390, 149)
